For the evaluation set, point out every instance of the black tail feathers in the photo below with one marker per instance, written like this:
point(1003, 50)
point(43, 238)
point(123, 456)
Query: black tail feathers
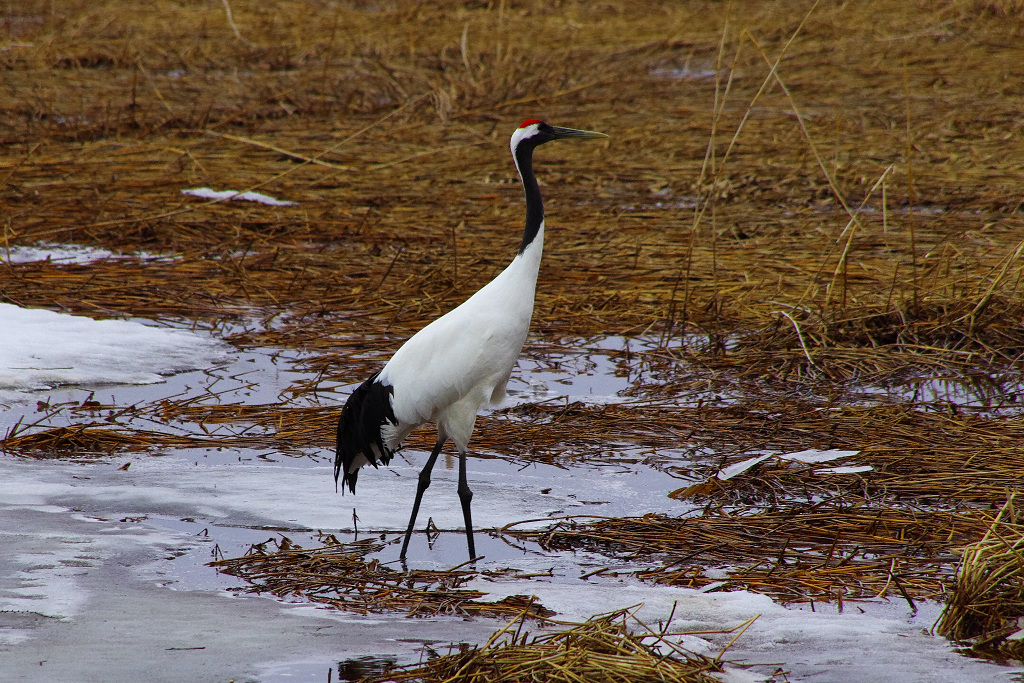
point(359, 431)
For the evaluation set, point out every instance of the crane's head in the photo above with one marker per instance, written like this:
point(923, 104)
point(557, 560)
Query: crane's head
point(533, 132)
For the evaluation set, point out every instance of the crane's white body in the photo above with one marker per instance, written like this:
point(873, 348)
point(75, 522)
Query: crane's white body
point(463, 360)
point(456, 364)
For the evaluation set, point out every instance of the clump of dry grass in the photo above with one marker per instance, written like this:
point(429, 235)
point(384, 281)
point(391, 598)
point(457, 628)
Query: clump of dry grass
point(80, 440)
point(604, 649)
point(338, 574)
point(986, 605)
point(951, 338)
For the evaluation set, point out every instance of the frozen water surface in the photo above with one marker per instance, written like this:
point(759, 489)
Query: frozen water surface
point(69, 254)
point(979, 394)
point(104, 577)
point(91, 549)
point(42, 349)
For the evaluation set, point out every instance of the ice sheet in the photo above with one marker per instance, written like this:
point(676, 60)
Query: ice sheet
point(41, 349)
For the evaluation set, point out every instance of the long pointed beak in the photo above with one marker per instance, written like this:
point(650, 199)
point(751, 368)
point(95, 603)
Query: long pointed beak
point(566, 133)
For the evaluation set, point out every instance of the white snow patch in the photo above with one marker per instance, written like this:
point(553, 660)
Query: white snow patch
point(738, 468)
point(42, 349)
point(47, 579)
point(1017, 635)
point(77, 254)
point(683, 73)
point(813, 455)
point(57, 253)
point(234, 195)
point(809, 456)
point(851, 469)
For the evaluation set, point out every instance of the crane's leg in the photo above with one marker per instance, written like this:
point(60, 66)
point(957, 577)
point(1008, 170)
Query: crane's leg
point(466, 496)
point(421, 486)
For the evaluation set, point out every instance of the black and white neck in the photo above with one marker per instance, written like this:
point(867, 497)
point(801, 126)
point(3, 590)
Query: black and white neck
point(530, 134)
point(526, 138)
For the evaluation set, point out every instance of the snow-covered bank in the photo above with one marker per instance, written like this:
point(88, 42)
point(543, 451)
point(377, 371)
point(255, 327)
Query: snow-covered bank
point(41, 349)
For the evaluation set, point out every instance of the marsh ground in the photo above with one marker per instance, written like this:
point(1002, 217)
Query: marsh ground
point(804, 232)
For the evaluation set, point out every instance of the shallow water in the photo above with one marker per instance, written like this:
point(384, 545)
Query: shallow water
point(988, 395)
point(105, 570)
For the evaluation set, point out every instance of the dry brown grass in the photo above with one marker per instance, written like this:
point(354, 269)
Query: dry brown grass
point(106, 122)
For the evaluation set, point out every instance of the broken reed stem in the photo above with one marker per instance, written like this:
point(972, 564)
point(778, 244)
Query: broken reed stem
point(850, 226)
point(718, 105)
point(800, 335)
point(984, 302)
point(231, 23)
point(803, 127)
point(911, 192)
point(280, 150)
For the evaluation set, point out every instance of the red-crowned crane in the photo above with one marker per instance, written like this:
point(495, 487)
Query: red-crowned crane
point(457, 363)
